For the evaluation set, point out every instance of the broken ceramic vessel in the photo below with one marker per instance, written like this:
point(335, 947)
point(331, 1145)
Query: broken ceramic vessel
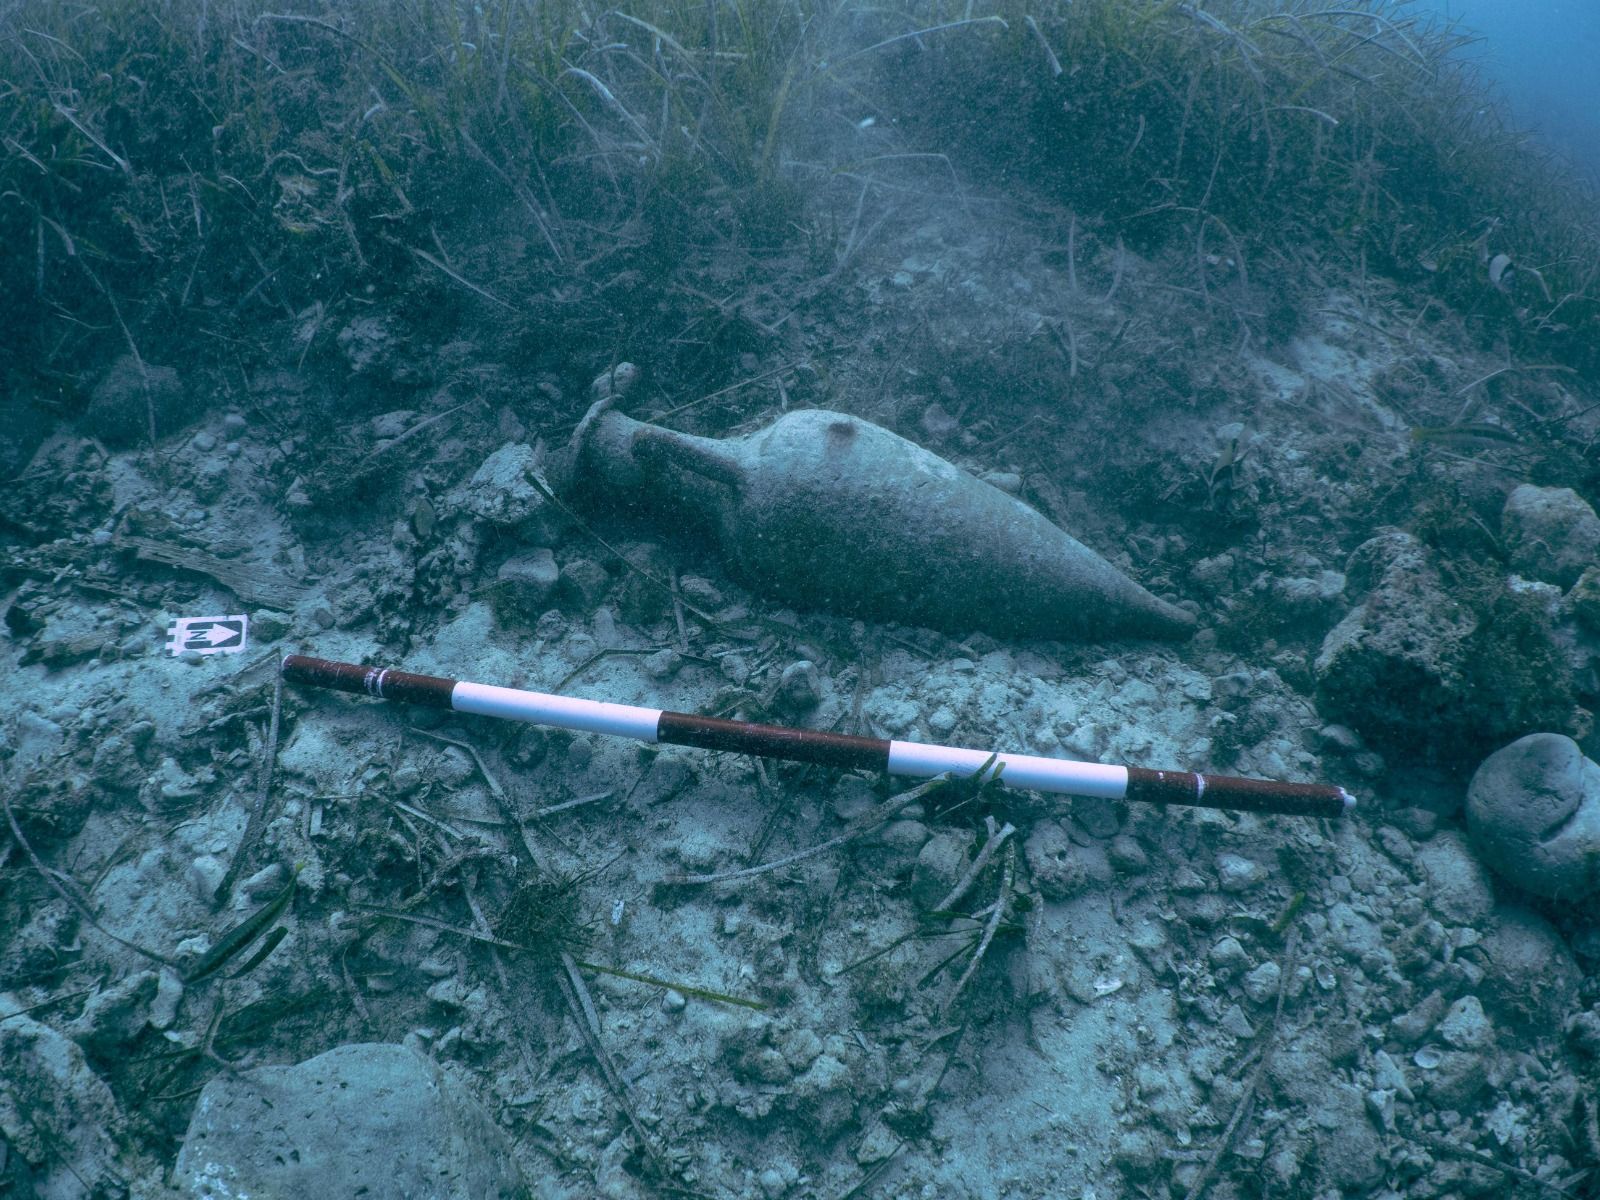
point(824, 510)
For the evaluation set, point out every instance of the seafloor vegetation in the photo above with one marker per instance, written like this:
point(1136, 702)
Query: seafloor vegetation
point(230, 182)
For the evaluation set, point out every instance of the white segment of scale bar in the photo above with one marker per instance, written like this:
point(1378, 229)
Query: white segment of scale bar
point(564, 712)
point(1032, 771)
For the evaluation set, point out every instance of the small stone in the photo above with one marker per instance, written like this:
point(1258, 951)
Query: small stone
point(269, 625)
point(115, 1015)
point(1464, 1026)
point(800, 687)
point(1380, 1106)
point(1583, 598)
point(205, 876)
point(1060, 868)
point(1234, 1022)
point(128, 395)
point(701, 592)
point(938, 424)
point(233, 424)
point(877, 1144)
point(1340, 738)
point(265, 882)
point(673, 1001)
point(169, 994)
point(940, 863)
point(505, 490)
point(1127, 855)
point(1413, 1025)
point(1228, 957)
point(1459, 886)
point(663, 664)
point(942, 721)
point(1098, 816)
point(1261, 984)
point(584, 582)
point(524, 586)
point(1236, 873)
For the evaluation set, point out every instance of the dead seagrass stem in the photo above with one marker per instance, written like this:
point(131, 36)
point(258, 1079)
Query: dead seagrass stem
point(824, 510)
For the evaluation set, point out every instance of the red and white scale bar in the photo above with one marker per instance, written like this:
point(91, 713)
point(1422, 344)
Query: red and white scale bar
point(914, 759)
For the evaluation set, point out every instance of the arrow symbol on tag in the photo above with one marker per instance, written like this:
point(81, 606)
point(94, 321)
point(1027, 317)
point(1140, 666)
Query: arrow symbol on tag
point(216, 635)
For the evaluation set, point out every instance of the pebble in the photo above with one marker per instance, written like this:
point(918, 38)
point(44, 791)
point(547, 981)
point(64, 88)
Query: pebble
point(1098, 816)
point(524, 584)
point(940, 863)
point(1228, 957)
point(800, 686)
point(169, 994)
point(1460, 887)
point(1235, 873)
point(1261, 984)
point(264, 882)
point(584, 582)
point(663, 664)
point(701, 592)
point(205, 875)
point(1127, 855)
point(1465, 1027)
point(1234, 1022)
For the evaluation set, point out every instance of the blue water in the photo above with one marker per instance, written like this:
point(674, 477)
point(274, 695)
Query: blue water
point(1545, 55)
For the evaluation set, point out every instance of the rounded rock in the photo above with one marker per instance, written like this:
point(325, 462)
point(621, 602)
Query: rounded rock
point(1534, 812)
point(1551, 533)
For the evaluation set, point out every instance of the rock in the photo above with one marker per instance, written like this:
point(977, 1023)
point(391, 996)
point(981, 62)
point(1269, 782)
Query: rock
point(375, 348)
point(502, 492)
point(1349, 1150)
point(1534, 811)
point(1261, 985)
point(56, 1114)
point(1531, 976)
point(113, 1016)
point(121, 403)
point(941, 861)
point(1235, 873)
point(1465, 1027)
point(1228, 957)
point(524, 585)
point(1060, 868)
point(1551, 533)
point(1127, 855)
point(372, 1120)
point(1396, 660)
point(1583, 599)
point(584, 583)
point(1457, 1080)
point(800, 687)
point(1461, 892)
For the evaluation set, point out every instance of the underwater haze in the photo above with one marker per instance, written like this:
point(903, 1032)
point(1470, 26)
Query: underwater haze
point(798, 600)
point(1545, 54)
